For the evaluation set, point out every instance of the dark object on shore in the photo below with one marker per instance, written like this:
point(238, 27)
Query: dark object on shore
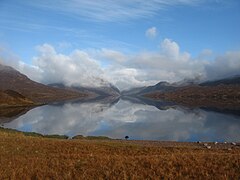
point(126, 137)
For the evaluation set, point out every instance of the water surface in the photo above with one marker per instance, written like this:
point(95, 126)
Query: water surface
point(135, 118)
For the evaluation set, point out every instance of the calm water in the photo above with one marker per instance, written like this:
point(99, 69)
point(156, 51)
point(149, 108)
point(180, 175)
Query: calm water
point(135, 118)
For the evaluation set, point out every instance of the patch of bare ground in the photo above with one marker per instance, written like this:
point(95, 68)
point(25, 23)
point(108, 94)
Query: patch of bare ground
point(25, 157)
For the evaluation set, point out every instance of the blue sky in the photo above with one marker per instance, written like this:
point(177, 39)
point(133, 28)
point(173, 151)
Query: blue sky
point(121, 28)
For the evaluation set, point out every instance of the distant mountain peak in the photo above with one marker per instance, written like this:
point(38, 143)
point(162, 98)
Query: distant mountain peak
point(164, 86)
point(10, 71)
point(163, 83)
point(233, 80)
point(104, 90)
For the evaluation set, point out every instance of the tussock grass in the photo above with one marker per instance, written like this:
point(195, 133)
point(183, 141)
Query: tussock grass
point(26, 157)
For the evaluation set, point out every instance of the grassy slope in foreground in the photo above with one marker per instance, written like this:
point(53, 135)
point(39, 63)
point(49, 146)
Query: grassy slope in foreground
point(24, 157)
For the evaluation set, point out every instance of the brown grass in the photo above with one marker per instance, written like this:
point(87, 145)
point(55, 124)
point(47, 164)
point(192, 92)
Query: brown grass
point(13, 98)
point(24, 157)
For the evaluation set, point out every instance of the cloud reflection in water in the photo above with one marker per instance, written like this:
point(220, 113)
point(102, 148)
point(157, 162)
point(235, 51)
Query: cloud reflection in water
point(138, 121)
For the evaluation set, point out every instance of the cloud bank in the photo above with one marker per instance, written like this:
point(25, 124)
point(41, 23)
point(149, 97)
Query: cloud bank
point(75, 69)
point(85, 68)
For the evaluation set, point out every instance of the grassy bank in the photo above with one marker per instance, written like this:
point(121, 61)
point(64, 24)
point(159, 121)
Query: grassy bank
point(24, 157)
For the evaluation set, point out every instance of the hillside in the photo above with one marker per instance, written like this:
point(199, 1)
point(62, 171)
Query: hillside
point(161, 86)
point(235, 80)
point(221, 96)
point(11, 79)
point(222, 93)
point(165, 87)
point(26, 157)
point(13, 98)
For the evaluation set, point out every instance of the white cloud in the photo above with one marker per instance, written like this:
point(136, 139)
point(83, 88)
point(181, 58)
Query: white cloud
point(84, 68)
point(151, 32)
point(125, 77)
point(77, 68)
point(206, 52)
point(223, 66)
point(113, 55)
point(170, 48)
point(109, 10)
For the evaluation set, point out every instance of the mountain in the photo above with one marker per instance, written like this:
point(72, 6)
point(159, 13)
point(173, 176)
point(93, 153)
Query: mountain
point(106, 90)
point(21, 85)
point(164, 86)
point(133, 91)
point(227, 81)
point(224, 93)
point(161, 86)
point(188, 82)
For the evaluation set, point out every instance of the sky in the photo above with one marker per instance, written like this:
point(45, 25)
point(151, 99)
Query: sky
point(129, 43)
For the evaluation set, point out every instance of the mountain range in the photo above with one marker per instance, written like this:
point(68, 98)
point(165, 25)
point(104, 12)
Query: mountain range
point(164, 87)
point(223, 93)
point(103, 91)
point(16, 89)
point(15, 84)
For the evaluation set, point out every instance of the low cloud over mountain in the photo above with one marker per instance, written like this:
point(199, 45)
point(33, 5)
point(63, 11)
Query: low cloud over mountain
point(97, 67)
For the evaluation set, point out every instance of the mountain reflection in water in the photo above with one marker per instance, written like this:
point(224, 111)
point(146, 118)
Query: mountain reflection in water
point(137, 118)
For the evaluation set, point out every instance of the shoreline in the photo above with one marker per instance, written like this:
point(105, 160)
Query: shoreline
point(105, 138)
